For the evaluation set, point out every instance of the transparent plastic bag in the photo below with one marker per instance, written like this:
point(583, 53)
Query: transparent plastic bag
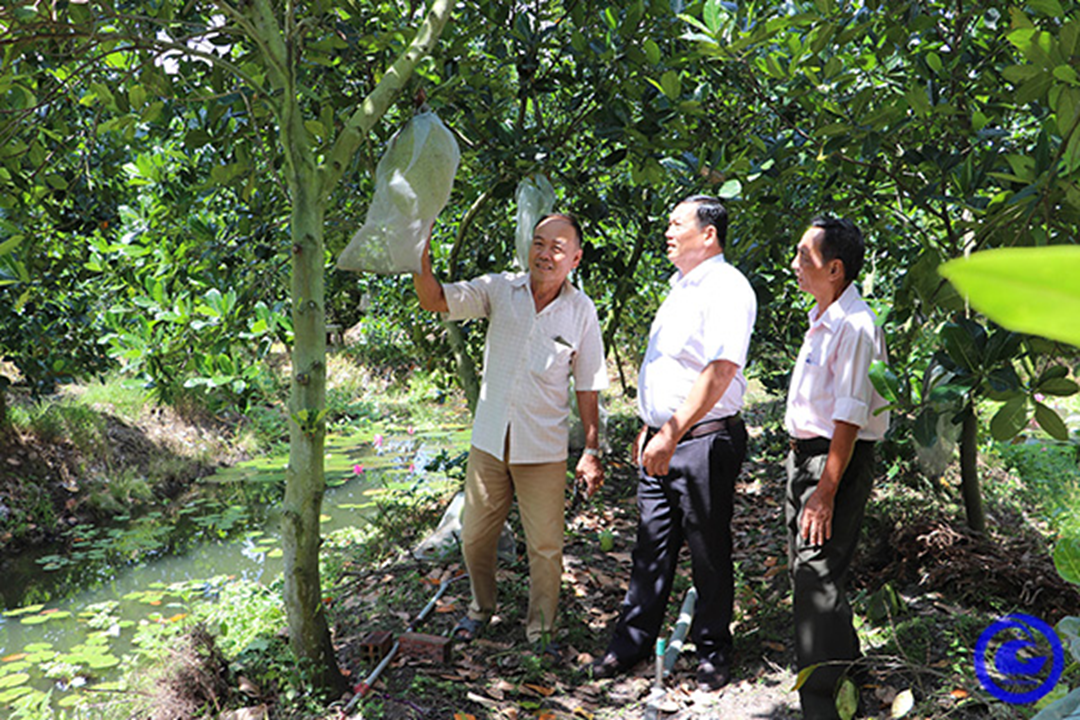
point(412, 185)
point(535, 198)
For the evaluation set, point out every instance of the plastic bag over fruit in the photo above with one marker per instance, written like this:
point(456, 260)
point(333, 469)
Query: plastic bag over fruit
point(535, 198)
point(412, 185)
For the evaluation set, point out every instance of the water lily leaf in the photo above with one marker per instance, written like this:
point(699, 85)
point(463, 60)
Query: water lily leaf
point(35, 620)
point(8, 681)
point(15, 693)
point(24, 610)
point(103, 661)
point(1031, 290)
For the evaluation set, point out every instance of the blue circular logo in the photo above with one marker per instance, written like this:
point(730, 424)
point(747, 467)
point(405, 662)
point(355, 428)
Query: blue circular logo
point(1017, 670)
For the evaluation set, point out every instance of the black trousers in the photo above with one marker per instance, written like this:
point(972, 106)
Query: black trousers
point(824, 632)
point(692, 503)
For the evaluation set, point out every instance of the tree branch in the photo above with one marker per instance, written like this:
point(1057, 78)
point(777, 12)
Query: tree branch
point(378, 100)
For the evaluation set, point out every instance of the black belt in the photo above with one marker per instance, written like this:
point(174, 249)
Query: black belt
point(706, 427)
point(809, 446)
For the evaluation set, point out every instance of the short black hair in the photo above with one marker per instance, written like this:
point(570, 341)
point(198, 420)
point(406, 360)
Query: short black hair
point(841, 240)
point(568, 217)
point(710, 212)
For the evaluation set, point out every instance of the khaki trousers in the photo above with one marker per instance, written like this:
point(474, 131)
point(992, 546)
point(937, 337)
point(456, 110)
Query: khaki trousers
point(490, 486)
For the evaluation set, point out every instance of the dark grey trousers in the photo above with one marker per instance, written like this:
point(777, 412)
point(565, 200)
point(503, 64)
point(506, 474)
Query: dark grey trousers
point(824, 632)
point(692, 503)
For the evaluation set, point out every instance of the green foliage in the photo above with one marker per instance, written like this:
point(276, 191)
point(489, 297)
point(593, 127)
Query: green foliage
point(1032, 290)
point(1051, 481)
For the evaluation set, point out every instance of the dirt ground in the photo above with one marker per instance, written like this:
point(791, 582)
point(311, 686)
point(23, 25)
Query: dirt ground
point(942, 572)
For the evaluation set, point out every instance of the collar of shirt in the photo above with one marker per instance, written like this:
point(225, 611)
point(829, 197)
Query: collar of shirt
point(522, 281)
point(698, 274)
point(836, 310)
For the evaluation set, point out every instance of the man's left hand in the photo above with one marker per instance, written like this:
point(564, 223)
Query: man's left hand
point(590, 470)
point(816, 522)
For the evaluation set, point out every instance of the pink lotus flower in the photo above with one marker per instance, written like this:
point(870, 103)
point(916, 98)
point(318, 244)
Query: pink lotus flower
point(377, 441)
point(358, 469)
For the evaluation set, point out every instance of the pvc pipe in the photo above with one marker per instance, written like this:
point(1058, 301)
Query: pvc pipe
point(682, 626)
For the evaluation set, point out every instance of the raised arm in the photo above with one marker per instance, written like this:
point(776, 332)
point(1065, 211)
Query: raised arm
point(428, 288)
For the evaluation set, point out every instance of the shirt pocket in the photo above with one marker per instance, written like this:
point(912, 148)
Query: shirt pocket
point(819, 389)
point(552, 359)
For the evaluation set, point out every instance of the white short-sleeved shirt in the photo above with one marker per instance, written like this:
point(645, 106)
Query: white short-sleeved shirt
point(529, 358)
point(708, 315)
point(831, 379)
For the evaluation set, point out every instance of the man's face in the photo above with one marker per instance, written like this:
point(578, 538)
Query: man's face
point(688, 244)
point(814, 273)
point(555, 250)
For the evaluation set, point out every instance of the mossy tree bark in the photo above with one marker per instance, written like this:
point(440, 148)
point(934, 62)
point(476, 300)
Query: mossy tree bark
point(969, 470)
point(310, 180)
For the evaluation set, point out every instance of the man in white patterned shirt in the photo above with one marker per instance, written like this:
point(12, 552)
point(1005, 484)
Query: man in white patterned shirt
point(833, 421)
point(542, 331)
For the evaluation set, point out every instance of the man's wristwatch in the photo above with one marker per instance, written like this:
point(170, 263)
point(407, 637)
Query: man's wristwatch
point(595, 452)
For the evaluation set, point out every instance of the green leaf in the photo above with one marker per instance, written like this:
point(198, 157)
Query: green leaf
point(652, 51)
point(1067, 559)
point(315, 128)
point(671, 84)
point(1051, 8)
point(1068, 629)
point(847, 699)
point(1051, 422)
point(1061, 387)
point(960, 345)
point(803, 676)
point(713, 15)
point(1060, 709)
point(1031, 290)
point(884, 381)
point(13, 679)
point(10, 244)
point(730, 189)
point(1010, 419)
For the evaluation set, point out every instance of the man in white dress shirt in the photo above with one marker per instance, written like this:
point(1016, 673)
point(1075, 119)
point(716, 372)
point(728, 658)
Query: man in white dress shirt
point(542, 330)
point(833, 422)
point(691, 447)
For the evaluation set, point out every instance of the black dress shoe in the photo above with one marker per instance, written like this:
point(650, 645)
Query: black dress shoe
point(608, 667)
point(712, 677)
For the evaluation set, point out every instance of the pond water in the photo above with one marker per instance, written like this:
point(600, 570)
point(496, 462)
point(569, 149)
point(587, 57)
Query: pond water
point(75, 608)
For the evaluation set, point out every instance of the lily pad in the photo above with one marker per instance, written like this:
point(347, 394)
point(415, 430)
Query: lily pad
point(12, 694)
point(24, 610)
